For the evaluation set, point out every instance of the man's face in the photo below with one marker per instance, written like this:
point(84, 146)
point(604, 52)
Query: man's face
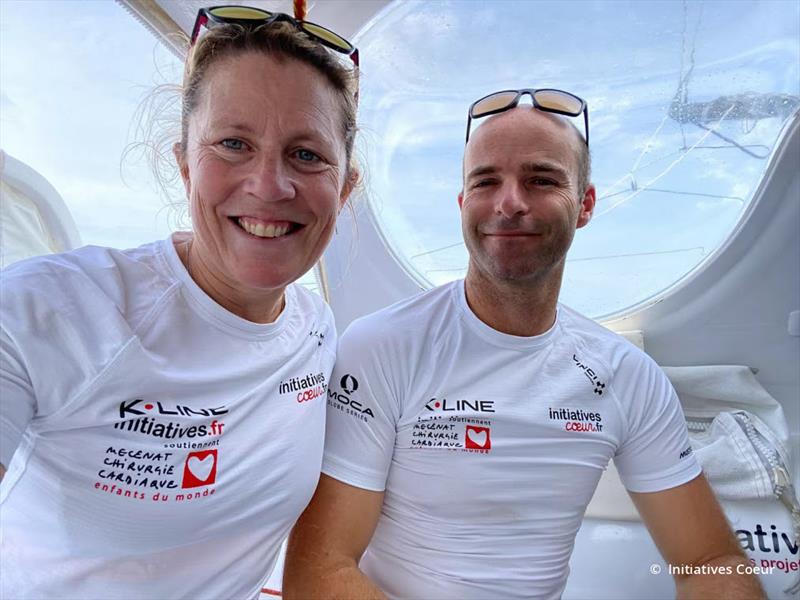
point(521, 204)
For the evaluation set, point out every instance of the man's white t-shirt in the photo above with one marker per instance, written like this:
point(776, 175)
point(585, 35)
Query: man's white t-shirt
point(489, 446)
point(162, 446)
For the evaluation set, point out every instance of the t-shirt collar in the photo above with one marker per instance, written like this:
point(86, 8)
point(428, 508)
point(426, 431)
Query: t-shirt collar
point(495, 337)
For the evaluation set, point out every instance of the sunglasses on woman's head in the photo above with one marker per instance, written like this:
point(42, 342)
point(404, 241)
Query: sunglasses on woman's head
point(245, 15)
point(546, 100)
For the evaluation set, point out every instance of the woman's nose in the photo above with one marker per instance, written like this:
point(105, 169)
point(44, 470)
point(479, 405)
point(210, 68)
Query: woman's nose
point(269, 179)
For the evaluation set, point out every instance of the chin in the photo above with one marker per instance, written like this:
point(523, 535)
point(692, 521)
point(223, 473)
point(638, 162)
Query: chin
point(259, 277)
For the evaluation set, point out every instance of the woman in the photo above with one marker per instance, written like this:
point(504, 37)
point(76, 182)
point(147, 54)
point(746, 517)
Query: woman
point(164, 406)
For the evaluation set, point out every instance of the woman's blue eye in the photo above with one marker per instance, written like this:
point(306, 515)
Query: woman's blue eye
point(233, 144)
point(306, 155)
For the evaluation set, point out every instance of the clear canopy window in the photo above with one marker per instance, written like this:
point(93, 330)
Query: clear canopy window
point(687, 101)
point(73, 75)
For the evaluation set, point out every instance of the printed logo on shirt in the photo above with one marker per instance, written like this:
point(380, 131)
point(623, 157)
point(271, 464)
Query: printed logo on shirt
point(155, 471)
point(598, 385)
point(307, 388)
point(444, 432)
point(139, 407)
point(685, 453)
point(342, 399)
point(445, 405)
point(477, 438)
point(200, 469)
point(349, 384)
point(157, 475)
point(454, 424)
point(317, 334)
point(149, 426)
point(576, 419)
point(772, 547)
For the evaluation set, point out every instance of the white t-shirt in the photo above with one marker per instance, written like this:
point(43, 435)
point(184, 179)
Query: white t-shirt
point(165, 445)
point(489, 446)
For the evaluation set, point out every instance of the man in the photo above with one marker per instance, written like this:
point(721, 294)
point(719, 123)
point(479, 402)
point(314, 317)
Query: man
point(468, 426)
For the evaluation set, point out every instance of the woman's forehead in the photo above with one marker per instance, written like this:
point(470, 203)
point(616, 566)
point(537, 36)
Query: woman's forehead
point(260, 75)
point(252, 88)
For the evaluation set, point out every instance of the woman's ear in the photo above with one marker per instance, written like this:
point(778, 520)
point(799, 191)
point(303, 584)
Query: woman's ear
point(351, 182)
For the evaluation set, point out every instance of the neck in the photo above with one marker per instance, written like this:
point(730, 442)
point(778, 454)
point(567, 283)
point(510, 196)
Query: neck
point(521, 309)
point(257, 308)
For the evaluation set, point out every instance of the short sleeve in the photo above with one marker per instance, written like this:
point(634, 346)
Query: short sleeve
point(655, 453)
point(362, 411)
point(17, 400)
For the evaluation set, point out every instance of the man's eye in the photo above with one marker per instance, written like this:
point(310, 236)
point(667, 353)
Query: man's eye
point(232, 144)
point(307, 155)
point(483, 183)
point(541, 181)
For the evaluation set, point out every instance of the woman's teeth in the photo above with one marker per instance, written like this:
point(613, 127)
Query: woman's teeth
point(263, 231)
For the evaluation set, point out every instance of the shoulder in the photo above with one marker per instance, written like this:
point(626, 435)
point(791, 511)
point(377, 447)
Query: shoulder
point(420, 315)
point(632, 379)
point(82, 284)
point(394, 343)
point(589, 331)
point(601, 350)
point(313, 314)
point(310, 303)
point(595, 339)
point(65, 317)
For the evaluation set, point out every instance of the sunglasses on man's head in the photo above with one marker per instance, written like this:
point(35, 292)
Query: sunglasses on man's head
point(546, 100)
point(245, 15)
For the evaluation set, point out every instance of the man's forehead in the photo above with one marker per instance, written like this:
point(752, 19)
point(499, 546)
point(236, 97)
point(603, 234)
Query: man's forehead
point(522, 129)
point(525, 117)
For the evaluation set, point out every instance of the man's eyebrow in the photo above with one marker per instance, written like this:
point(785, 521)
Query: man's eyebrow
point(481, 170)
point(528, 167)
point(545, 167)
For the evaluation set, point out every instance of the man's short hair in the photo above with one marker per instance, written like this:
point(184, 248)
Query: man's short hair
point(584, 162)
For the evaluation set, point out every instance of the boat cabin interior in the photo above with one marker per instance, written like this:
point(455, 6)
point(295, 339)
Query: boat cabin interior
point(693, 253)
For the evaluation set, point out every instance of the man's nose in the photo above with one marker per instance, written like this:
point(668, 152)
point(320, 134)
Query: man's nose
point(269, 178)
point(511, 200)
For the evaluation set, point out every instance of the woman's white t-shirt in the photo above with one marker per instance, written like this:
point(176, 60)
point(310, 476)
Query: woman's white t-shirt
point(157, 445)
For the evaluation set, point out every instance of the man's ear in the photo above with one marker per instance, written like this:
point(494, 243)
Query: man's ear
point(460, 199)
point(180, 158)
point(587, 206)
point(350, 183)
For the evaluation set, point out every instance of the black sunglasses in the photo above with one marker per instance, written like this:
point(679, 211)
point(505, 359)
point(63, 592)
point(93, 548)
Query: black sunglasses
point(246, 15)
point(547, 100)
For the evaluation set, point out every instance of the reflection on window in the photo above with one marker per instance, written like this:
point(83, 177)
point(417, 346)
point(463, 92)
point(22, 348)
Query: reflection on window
point(687, 101)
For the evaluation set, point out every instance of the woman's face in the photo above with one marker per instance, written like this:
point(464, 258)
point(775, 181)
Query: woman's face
point(264, 170)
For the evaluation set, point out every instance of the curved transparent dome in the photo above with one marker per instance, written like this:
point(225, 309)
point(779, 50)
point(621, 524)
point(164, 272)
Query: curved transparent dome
point(687, 101)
